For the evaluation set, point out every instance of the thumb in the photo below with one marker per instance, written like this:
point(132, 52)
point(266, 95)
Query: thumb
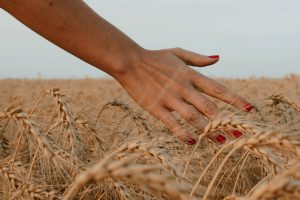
point(194, 59)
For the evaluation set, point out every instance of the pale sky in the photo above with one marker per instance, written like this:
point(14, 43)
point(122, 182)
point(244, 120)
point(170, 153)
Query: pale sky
point(257, 37)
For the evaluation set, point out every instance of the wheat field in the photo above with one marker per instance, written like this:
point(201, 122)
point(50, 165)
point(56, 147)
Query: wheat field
point(87, 139)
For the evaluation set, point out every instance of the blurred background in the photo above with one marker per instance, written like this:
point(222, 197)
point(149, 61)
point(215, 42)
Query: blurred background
point(253, 38)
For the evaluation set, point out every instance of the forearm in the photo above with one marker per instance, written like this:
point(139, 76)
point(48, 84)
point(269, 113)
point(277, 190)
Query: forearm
point(73, 26)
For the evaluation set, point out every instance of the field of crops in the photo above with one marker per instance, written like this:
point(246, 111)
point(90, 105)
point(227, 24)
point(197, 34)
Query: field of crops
point(87, 139)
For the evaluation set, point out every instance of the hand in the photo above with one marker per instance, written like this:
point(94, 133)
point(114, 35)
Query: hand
point(162, 82)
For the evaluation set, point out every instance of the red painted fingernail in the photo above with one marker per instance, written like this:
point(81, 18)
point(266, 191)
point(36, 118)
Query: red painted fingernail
point(221, 139)
point(248, 107)
point(191, 141)
point(214, 57)
point(237, 133)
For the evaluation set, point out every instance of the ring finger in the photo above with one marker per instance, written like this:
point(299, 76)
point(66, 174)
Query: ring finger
point(194, 118)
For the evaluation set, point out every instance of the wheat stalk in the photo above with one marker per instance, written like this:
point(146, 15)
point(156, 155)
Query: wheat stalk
point(126, 169)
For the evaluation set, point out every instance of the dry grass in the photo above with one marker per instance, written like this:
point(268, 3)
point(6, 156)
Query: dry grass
point(91, 141)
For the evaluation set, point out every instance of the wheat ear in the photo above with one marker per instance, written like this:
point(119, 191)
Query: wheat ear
point(68, 119)
point(135, 173)
point(280, 98)
point(149, 149)
point(40, 138)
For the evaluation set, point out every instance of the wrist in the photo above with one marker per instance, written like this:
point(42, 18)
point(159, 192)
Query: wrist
point(129, 60)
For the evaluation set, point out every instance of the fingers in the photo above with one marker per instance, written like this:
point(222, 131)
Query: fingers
point(217, 90)
point(202, 103)
point(235, 133)
point(194, 59)
point(173, 125)
point(209, 86)
point(189, 113)
point(220, 137)
point(196, 119)
point(217, 137)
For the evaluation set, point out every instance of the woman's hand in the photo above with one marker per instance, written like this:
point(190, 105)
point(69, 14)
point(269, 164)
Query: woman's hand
point(162, 82)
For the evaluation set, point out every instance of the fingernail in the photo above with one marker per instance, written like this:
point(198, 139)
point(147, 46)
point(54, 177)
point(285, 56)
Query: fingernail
point(221, 139)
point(237, 133)
point(191, 141)
point(248, 107)
point(214, 57)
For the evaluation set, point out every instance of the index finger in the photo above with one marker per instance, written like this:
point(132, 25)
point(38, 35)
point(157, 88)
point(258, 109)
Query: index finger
point(218, 90)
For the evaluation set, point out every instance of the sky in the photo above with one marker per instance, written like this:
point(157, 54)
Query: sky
point(253, 38)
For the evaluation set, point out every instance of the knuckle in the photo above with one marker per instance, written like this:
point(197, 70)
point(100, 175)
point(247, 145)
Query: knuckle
point(169, 123)
point(153, 107)
point(179, 132)
point(181, 89)
point(191, 114)
point(178, 49)
point(197, 77)
point(210, 109)
point(200, 126)
point(184, 88)
point(158, 112)
point(219, 89)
